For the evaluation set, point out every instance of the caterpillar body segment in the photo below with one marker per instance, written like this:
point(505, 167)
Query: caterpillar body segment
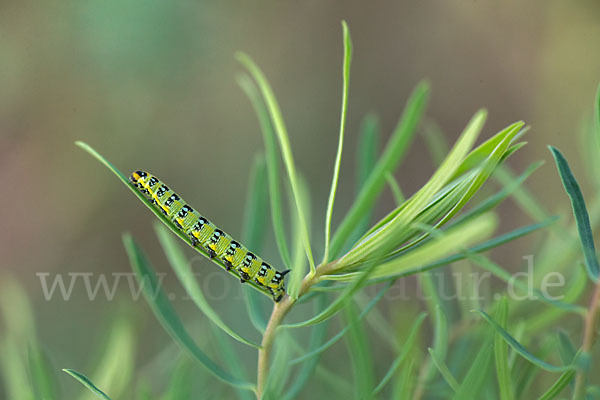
point(204, 233)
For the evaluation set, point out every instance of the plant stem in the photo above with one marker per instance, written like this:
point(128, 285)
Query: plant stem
point(589, 337)
point(279, 312)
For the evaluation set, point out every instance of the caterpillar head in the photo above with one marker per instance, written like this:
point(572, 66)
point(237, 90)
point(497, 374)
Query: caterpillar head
point(136, 176)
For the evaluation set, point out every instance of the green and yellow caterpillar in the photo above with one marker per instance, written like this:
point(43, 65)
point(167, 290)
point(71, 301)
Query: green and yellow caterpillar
point(203, 233)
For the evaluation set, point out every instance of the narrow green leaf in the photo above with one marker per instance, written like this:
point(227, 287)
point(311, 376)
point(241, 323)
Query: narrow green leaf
point(510, 187)
point(427, 255)
point(406, 383)
point(253, 233)
point(474, 380)
point(114, 369)
point(340, 301)
point(165, 313)
point(180, 381)
point(444, 371)
point(360, 354)
point(284, 144)
point(501, 354)
point(386, 237)
point(232, 360)
point(394, 153)
point(566, 350)
point(87, 383)
point(563, 380)
point(338, 158)
point(507, 277)
point(406, 348)
point(485, 246)
point(367, 149)
point(318, 350)
point(440, 334)
point(542, 320)
point(461, 186)
point(272, 160)
point(518, 347)
point(159, 214)
point(278, 371)
point(526, 201)
point(482, 151)
point(317, 336)
point(580, 212)
point(184, 273)
point(42, 374)
point(18, 342)
point(437, 308)
point(485, 170)
point(299, 266)
point(395, 188)
point(436, 142)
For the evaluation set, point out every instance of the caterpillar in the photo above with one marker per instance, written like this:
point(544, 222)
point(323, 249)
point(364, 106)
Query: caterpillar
point(204, 233)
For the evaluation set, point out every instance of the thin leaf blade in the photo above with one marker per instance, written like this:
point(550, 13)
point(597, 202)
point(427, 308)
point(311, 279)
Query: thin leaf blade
point(580, 212)
point(166, 315)
point(338, 157)
point(85, 381)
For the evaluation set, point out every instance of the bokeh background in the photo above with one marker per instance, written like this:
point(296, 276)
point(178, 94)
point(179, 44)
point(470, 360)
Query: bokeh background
point(151, 85)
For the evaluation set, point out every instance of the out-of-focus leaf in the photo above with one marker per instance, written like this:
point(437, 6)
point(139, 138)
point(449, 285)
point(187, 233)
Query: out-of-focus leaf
point(474, 381)
point(334, 339)
point(317, 336)
point(284, 144)
point(272, 163)
point(404, 388)
point(278, 370)
point(165, 313)
point(501, 354)
point(254, 232)
point(360, 354)
point(42, 374)
point(366, 158)
point(406, 348)
point(518, 347)
point(180, 382)
point(299, 266)
point(395, 188)
point(232, 360)
point(183, 270)
point(563, 380)
point(114, 370)
point(444, 371)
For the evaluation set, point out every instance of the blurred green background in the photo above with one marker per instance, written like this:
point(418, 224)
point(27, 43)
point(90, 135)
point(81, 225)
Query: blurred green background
point(151, 85)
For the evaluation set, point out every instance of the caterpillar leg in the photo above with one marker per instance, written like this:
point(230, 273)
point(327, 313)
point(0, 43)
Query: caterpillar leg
point(228, 265)
point(211, 252)
point(244, 276)
point(194, 240)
